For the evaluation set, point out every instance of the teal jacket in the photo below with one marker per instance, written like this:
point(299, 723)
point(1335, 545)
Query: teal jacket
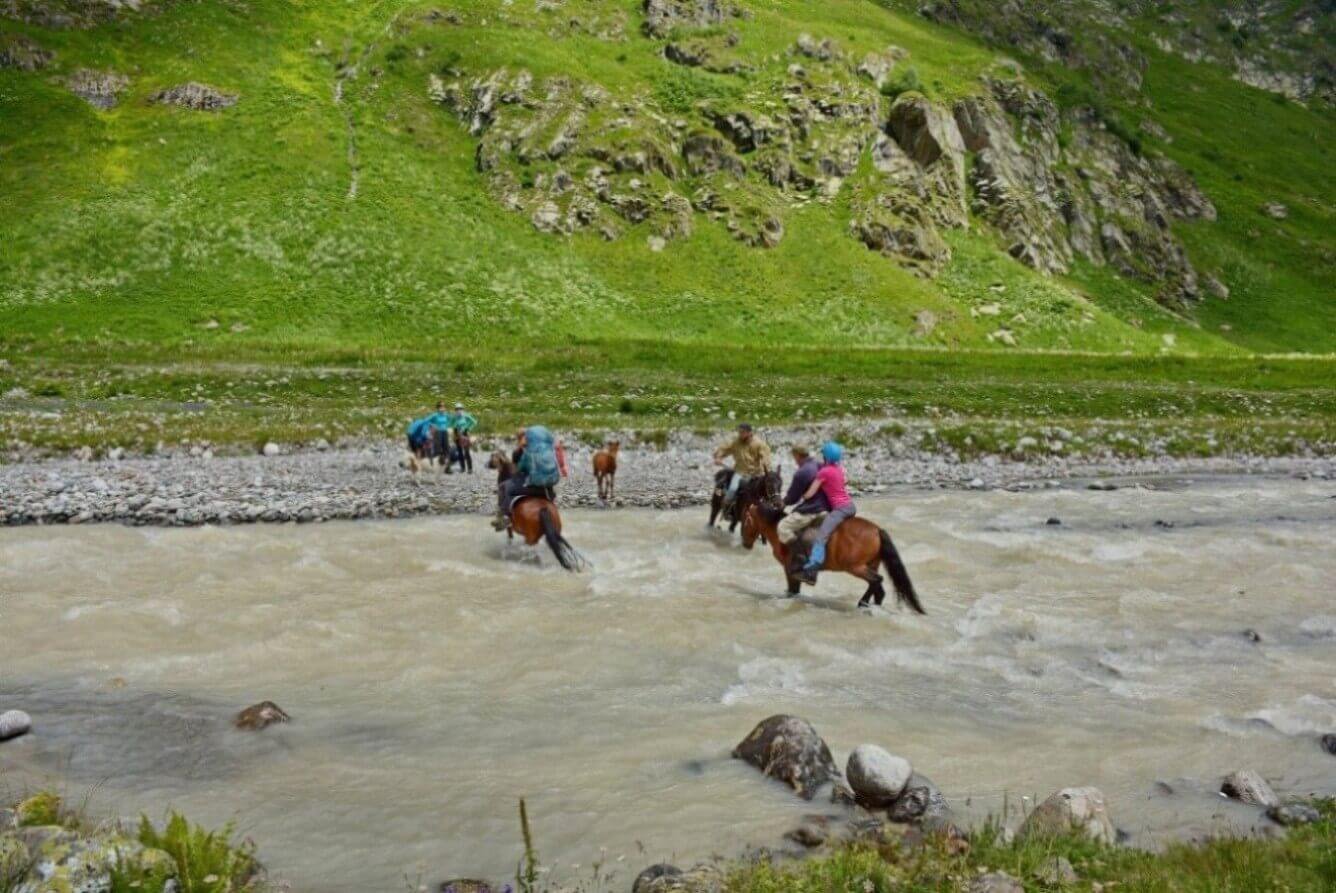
point(463, 422)
point(417, 429)
point(441, 420)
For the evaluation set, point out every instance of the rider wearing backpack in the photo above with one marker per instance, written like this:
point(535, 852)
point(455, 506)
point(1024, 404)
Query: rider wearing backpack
point(537, 473)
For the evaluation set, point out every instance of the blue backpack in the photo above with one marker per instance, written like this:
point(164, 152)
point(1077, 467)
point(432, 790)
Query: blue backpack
point(540, 448)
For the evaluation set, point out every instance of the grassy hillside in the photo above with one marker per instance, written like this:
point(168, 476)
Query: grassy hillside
point(150, 234)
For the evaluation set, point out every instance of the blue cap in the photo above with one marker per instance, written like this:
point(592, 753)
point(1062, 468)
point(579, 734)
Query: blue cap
point(831, 451)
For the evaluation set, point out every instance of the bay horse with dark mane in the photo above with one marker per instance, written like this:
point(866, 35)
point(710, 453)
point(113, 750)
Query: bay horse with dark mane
point(536, 517)
point(758, 489)
point(856, 547)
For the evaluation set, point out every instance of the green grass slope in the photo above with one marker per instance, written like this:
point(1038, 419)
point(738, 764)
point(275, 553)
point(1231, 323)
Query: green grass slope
point(151, 234)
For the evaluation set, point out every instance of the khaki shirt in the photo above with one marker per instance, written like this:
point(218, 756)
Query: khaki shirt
point(750, 459)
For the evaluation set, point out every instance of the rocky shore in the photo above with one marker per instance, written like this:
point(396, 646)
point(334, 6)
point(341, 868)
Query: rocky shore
point(192, 486)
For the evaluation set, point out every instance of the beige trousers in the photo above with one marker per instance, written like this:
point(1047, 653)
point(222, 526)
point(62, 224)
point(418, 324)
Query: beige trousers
point(793, 524)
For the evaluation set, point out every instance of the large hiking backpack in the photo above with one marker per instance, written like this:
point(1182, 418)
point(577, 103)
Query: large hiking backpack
point(541, 449)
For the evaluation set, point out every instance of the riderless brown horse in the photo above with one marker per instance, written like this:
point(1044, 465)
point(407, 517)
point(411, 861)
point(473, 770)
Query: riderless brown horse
point(758, 489)
point(605, 469)
point(857, 547)
point(536, 517)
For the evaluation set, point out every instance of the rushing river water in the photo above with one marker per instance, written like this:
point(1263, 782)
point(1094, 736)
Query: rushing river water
point(432, 681)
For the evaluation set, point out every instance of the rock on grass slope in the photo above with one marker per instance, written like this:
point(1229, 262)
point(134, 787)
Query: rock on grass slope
point(1085, 175)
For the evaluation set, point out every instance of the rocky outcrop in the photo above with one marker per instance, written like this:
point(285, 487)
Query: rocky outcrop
point(788, 749)
point(53, 859)
point(663, 17)
point(100, 89)
point(1079, 810)
point(71, 13)
point(1052, 186)
point(192, 95)
point(21, 53)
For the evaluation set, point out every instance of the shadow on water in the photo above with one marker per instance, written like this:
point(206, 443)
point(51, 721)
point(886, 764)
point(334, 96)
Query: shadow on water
point(839, 606)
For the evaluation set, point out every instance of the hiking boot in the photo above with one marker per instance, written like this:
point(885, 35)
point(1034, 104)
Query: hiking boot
point(500, 522)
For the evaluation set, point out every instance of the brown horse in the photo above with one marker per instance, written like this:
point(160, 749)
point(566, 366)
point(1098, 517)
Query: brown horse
point(535, 518)
point(758, 489)
point(605, 469)
point(857, 547)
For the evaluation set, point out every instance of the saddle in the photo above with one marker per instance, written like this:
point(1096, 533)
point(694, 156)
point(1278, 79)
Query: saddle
point(546, 493)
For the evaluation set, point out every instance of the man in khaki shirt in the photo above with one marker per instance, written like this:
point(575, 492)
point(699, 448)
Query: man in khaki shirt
point(751, 458)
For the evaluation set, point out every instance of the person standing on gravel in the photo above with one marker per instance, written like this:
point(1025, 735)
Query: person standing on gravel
point(463, 423)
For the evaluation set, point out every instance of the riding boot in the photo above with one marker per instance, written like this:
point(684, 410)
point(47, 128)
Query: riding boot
point(500, 522)
point(814, 563)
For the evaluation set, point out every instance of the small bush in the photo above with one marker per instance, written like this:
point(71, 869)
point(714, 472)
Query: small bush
point(906, 80)
point(626, 407)
point(208, 861)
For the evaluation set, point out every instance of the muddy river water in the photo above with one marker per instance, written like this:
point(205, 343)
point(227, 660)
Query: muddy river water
point(433, 680)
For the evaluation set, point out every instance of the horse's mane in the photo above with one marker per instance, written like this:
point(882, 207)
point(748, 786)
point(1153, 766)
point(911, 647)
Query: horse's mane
point(769, 513)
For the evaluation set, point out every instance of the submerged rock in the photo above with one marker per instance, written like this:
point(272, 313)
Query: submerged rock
point(789, 749)
point(1291, 814)
point(1328, 743)
point(877, 777)
point(1246, 786)
point(14, 723)
point(260, 716)
point(1071, 809)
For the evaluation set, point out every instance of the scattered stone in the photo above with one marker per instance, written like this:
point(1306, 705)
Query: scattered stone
point(788, 749)
point(656, 243)
point(1328, 743)
point(466, 885)
point(1253, 636)
point(996, 882)
point(1215, 286)
point(813, 832)
point(1291, 814)
point(270, 449)
point(667, 879)
point(14, 723)
point(1054, 522)
point(260, 716)
point(22, 54)
point(921, 804)
point(1247, 786)
point(877, 777)
point(192, 95)
point(1275, 210)
point(925, 321)
point(1057, 872)
point(1071, 809)
point(100, 89)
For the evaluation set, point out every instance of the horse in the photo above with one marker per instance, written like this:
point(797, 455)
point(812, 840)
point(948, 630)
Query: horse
point(605, 469)
point(535, 518)
point(758, 489)
point(857, 547)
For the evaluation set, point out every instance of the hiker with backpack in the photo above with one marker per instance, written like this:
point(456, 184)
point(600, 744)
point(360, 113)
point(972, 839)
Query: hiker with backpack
point(537, 473)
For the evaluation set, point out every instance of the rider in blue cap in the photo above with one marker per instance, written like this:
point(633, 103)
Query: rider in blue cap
point(830, 482)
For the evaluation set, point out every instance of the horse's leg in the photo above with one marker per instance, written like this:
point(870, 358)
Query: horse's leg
point(716, 503)
point(795, 585)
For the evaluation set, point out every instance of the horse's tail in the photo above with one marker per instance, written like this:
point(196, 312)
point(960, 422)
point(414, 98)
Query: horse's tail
point(904, 587)
point(565, 552)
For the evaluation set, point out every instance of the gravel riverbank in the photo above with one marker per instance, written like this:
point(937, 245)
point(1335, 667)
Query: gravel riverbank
point(194, 487)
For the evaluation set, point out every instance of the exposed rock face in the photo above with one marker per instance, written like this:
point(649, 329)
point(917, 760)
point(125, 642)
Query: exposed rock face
point(23, 54)
point(192, 95)
point(1071, 809)
point(877, 777)
point(70, 13)
point(260, 716)
point(662, 17)
point(1247, 786)
point(788, 749)
point(100, 89)
point(52, 859)
point(571, 157)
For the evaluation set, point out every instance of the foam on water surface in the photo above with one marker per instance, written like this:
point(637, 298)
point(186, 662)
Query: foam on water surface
point(435, 675)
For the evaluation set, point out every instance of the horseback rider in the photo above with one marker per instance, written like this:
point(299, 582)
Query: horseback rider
point(830, 482)
point(536, 472)
point(463, 423)
point(751, 459)
point(803, 513)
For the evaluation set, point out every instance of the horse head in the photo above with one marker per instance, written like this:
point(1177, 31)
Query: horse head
point(771, 486)
point(751, 530)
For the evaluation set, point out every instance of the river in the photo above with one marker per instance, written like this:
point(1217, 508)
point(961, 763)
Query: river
point(434, 680)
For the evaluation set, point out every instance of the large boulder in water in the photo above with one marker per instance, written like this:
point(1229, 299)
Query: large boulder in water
point(14, 723)
point(1246, 786)
point(787, 748)
point(1072, 809)
point(877, 777)
point(260, 716)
